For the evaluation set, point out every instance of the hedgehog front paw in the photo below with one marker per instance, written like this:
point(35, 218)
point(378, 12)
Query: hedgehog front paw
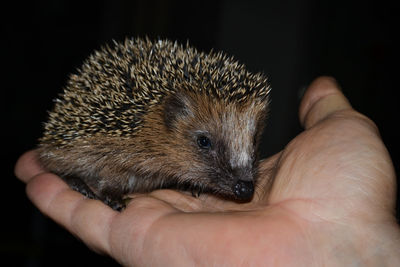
point(117, 205)
point(78, 185)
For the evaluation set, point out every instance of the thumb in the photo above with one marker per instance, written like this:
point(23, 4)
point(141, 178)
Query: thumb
point(322, 98)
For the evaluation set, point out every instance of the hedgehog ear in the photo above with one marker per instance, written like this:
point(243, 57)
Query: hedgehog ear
point(175, 108)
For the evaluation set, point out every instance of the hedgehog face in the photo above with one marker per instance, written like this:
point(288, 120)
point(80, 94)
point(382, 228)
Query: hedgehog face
point(220, 142)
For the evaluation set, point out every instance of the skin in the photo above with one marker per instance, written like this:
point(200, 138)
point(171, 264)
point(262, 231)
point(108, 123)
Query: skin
point(331, 203)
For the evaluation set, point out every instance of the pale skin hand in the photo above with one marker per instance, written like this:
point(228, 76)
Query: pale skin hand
point(331, 203)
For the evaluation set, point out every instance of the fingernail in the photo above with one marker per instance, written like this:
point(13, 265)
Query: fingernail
point(337, 84)
point(301, 91)
point(334, 81)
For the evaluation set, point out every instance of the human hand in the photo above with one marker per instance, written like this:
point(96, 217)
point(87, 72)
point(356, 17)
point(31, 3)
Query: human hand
point(326, 199)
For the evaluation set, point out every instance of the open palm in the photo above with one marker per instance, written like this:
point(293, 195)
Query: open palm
point(326, 199)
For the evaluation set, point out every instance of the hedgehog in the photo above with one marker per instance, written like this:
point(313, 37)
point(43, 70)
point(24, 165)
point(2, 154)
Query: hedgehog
point(142, 115)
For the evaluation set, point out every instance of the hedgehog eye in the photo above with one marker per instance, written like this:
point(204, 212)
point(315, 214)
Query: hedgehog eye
point(204, 142)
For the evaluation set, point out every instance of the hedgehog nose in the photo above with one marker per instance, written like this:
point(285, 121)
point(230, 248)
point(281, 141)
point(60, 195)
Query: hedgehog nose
point(243, 190)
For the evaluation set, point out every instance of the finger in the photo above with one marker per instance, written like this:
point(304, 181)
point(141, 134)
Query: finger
point(266, 173)
point(28, 166)
point(86, 218)
point(322, 98)
point(181, 201)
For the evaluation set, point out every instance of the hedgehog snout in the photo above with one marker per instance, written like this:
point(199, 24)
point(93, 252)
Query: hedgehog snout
point(243, 188)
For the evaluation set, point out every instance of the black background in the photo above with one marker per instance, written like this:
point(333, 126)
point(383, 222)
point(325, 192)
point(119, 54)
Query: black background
point(290, 41)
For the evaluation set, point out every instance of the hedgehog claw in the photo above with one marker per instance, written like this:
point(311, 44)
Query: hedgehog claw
point(80, 186)
point(196, 192)
point(114, 204)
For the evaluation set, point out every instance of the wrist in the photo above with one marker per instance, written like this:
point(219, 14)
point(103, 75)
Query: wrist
point(361, 244)
point(383, 247)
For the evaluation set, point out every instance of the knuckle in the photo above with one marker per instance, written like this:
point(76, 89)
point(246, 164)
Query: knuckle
point(356, 117)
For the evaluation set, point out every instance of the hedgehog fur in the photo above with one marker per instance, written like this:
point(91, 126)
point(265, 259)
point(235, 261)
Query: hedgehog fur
point(107, 132)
